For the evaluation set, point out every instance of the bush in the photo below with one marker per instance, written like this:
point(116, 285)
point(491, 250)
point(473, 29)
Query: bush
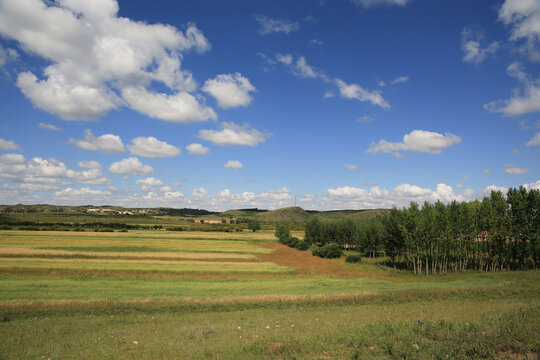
point(178, 228)
point(328, 252)
point(303, 245)
point(353, 258)
point(254, 226)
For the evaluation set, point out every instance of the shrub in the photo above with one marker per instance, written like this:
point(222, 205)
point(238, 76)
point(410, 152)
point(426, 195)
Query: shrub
point(178, 228)
point(353, 258)
point(282, 233)
point(254, 226)
point(303, 245)
point(328, 252)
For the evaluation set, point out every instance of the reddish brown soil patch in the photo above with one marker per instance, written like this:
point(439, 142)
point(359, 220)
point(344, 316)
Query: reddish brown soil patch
point(307, 264)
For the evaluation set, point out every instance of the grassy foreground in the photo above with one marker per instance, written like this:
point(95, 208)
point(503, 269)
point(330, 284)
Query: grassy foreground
point(163, 295)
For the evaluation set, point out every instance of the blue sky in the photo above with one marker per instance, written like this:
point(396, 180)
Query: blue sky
point(218, 105)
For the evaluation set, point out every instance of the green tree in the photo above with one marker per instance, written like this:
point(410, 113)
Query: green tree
point(254, 226)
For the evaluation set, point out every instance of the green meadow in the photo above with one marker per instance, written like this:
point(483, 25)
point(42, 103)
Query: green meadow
point(191, 295)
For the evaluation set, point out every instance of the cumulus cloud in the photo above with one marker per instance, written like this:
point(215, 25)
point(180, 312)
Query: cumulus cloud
point(89, 164)
point(197, 149)
point(42, 125)
point(519, 104)
point(230, 90)
point(524, 17)
point(355, 91)
point(347, 197)
point(150, 182)
point(71, 196)
point(152, 148)
point(91, 177)
point(181, 107)
point(98, 61)
point(514, 170)
point(130, 166)
point(271, 26)
point(233, 134)
point(226, 199)
point(417, 141)
point(12, 165)
point(535, 141)
point(373, 3)
point(9, 145)
point(234, 164)
point(472, 45)
point(108, 143)
point(351, 167)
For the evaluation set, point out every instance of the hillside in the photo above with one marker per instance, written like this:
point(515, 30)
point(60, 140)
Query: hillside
point(292, 214)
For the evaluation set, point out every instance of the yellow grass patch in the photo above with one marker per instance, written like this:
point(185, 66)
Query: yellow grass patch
point(145, 261)
point(161, 255)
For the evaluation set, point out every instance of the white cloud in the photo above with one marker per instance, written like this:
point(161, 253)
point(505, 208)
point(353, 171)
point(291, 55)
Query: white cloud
point(149, 182)
point(38, 167)
point(181, 107)
point(89, 164)
point(42, 125)
point(417, 141)
point(130, 166)
point(93, 56)
point(69, 100)
point(472, 46)
point(197, 149)
point(349, 197)
point(152, 148)
point(269, 26)
point(328, 95)
point(487, 171)
point(351, 167)
point(108, 143)
point(230, 90)
point(70, 196)
point(535, 185)
point(12, 166)
point(300, 67)
point(234, 164)
point(535, 141)
point(355, 91)
point(372, 3)
point(315, 42)
point(233, 134)
point(522, 102)
point(8, 145)
point(399, 80)
point(91, 177)
point(514, 170)
point(199, 193)
point(524, 16)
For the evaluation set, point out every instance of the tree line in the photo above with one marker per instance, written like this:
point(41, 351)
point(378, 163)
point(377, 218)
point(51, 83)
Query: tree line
point(499, 232)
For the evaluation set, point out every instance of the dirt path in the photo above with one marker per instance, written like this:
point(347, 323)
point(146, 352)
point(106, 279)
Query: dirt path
point(308, 265)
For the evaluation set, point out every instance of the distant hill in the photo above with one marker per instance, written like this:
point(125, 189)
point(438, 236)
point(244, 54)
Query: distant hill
point(349, 214)
point(241, 213)
point(292, 214)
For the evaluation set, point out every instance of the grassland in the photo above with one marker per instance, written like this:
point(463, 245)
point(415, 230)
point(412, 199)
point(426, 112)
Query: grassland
point(192, 295)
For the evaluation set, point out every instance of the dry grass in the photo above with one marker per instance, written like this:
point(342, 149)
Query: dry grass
point(165, 255)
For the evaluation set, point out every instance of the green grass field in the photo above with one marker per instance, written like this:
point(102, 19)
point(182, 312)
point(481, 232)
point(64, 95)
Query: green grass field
point(193, 295)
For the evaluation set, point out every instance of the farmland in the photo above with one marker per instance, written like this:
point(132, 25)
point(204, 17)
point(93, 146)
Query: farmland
point(169, 294)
